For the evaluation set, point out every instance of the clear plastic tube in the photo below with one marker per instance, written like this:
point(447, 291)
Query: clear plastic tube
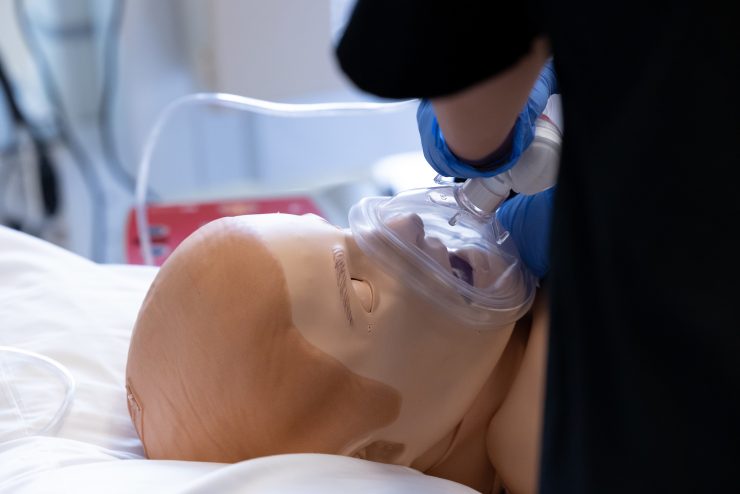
point(61, 371)
point(240, 103)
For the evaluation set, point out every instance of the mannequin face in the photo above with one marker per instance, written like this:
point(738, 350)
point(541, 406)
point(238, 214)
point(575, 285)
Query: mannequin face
point(270, 334)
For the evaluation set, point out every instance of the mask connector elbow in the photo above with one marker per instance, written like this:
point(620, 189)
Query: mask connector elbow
point(482, 196)
point(535, 171)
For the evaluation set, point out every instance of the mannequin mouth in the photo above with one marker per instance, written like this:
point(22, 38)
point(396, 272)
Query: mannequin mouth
point(461, 269)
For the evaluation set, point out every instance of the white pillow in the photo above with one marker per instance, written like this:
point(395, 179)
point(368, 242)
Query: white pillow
point(80, 314)
point(86, 471)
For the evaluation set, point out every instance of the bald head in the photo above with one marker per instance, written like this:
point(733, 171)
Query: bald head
point(217, 370)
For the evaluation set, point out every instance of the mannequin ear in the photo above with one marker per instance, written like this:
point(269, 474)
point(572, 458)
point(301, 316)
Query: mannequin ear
point(364, 292)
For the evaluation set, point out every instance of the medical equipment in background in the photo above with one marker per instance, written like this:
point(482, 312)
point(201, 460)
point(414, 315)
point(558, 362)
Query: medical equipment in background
point(153, 231)
point(30, 199)
point(447, 243)
point(21, 371)
point(170, 223)
point(62, 39)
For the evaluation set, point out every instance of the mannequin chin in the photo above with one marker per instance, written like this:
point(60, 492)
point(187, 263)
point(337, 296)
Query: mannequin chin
point(271, 334)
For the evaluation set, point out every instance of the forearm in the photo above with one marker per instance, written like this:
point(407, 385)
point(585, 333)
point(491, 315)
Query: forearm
point(477, 121)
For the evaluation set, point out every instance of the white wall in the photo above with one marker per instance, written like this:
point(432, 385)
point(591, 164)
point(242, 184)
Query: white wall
point(276, 50)
point(282, 50)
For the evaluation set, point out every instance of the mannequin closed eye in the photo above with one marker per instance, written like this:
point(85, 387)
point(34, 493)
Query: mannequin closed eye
point(364, 292)
point(340, 269)
point(362, 289)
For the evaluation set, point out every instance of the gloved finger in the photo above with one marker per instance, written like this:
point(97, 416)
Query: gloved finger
point(528, 218)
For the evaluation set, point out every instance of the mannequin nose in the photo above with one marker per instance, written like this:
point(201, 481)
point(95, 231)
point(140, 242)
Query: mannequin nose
point(410, 229)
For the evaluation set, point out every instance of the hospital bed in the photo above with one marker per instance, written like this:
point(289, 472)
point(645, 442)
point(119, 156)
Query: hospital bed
point(79, 314)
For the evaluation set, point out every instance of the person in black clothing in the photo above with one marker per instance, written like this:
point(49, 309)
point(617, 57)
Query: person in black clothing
point(643, 372)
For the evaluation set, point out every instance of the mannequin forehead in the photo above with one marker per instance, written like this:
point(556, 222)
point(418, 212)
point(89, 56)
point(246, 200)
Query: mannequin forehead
point(316, 264)
point(264, 245)
point(273, 229)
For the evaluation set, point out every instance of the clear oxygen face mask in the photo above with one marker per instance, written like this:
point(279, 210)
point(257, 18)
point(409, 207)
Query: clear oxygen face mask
point(465, 268)
point(446, 243)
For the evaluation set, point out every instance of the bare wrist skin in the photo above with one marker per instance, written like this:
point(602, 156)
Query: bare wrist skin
point(477, 121)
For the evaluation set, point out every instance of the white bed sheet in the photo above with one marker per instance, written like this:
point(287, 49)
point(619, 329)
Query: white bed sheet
point(80, 313)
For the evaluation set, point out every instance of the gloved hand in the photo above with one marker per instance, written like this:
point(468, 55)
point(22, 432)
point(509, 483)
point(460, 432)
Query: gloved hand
point(527, 218)
point(447, 164)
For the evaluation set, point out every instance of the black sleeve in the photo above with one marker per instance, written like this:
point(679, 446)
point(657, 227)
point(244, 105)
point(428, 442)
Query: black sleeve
point(428, 48)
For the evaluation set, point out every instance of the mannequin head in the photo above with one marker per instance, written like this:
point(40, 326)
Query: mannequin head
point(268, 334)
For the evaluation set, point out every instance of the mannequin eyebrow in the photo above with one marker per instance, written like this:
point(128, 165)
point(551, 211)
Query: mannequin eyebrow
point(340, 268)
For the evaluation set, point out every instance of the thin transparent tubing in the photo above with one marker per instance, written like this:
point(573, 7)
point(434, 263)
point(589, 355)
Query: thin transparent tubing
point(237, 103)
point(61, 371)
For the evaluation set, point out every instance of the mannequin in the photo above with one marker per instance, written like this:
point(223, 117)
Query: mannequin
point(271, 334)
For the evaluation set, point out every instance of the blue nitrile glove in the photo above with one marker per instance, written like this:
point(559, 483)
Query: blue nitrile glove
point(528, 219)
point(447, 164)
